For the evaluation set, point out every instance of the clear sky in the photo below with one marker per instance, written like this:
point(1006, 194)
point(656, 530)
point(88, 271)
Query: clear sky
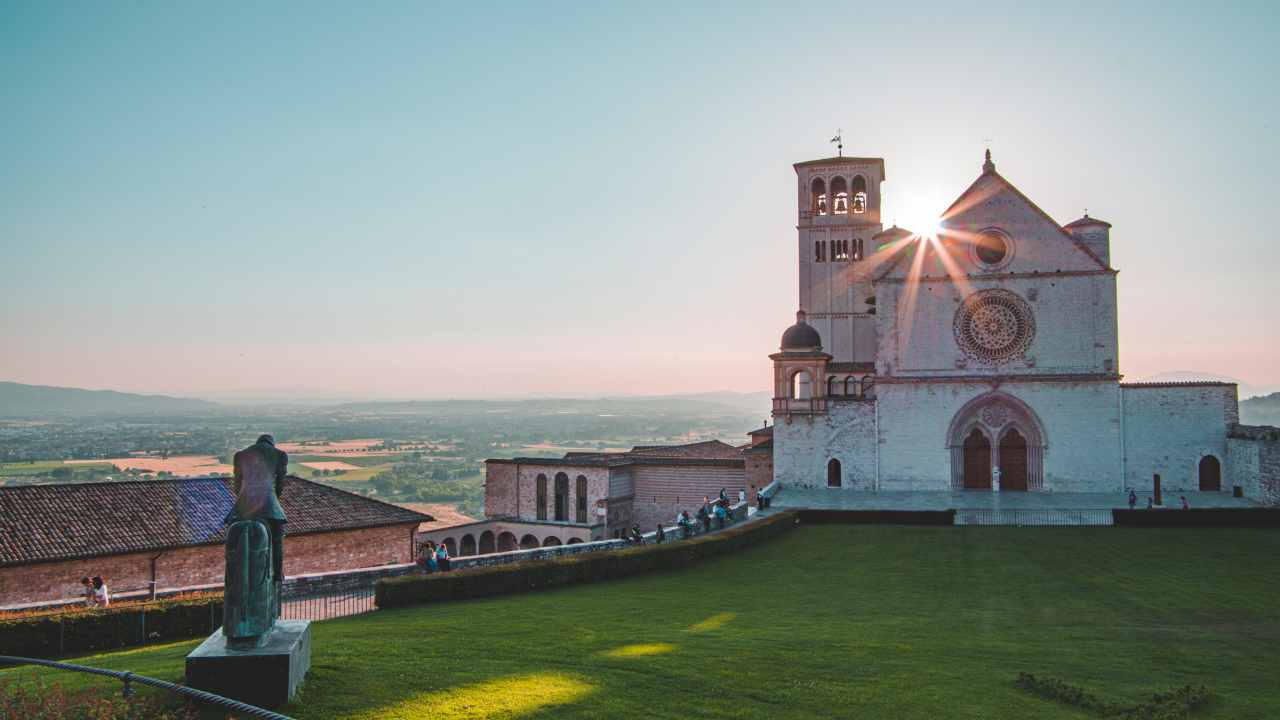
point(504, 199)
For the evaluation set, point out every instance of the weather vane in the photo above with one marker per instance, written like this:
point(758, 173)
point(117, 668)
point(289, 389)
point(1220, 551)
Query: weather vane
point(839, 141)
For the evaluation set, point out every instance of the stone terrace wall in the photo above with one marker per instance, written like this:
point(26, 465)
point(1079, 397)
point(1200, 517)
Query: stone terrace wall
point(1169, 428)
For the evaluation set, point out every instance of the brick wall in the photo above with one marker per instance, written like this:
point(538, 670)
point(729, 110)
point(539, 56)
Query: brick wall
point(204, 565)
point(758, 467)
point(662, 490)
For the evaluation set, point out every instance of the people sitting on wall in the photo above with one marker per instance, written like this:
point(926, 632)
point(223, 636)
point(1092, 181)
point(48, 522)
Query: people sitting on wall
point(442, 558)
point(87, 591)
point(101, 598)
point(427, 558)
point(685, 521)
point(635, 536)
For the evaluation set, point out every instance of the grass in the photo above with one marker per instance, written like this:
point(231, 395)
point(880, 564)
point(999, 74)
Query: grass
point(44, 467)
point(828, 621)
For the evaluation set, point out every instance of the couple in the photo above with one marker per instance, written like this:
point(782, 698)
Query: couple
point(95, 592)
point(435, 557)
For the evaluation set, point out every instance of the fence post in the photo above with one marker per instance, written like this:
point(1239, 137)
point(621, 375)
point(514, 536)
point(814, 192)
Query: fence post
point(143, 622)
point(62, 636)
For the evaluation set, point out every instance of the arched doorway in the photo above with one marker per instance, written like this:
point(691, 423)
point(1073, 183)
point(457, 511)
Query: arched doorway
point(977, 461)
point(574, 541)
point(507, 542)
point(1210, 474)
point(551, 541)
point(451, 546)
point(833, 473)
point(467, 546)
point(1013, 461)
point(528, 542)
point(487, 544)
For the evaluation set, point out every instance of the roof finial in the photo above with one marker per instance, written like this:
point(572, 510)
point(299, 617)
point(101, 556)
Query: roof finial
point(800, 316)
point(839, 141)
point(988, 166)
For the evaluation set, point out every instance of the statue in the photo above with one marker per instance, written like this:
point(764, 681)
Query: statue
point(255, 545)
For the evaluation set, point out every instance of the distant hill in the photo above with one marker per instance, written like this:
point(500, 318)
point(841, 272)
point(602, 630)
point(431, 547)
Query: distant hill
point(1261, 410)
point(717, 403)
point(1245, 390)
point(41, 401)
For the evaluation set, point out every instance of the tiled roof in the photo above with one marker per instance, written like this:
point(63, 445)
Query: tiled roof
point(711, 449)
point(40, 523)
point(710, 452)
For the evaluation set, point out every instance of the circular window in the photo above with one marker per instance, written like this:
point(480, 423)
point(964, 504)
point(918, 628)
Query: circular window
point(994, 326)
point(991, 248)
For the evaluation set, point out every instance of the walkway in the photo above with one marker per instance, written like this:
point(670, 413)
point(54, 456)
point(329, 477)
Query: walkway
point(837, 499)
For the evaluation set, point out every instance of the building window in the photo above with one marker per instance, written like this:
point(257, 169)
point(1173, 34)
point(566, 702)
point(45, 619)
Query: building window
point(801, 386)
point(542, 497)
point(840, 250)
point(833, 473)
point(859, 195)
point(857, 249)
point(840, 196)
point(582, 498)
point(818, 192)
point(562, 497)
point(991, 248)
point(820, 251)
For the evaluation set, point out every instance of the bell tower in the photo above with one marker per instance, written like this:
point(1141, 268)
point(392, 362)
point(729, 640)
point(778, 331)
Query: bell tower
point(838, 203)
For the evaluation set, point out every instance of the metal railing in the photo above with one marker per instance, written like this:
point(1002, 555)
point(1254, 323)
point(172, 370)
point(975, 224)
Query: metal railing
point(1033, 518)
point(129, 678)
point(327, 606)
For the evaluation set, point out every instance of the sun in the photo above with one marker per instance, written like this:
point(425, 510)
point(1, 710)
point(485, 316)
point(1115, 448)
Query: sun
point(925, 226)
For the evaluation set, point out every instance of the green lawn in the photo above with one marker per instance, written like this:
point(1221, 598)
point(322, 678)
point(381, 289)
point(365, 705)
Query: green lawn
point(829, 621)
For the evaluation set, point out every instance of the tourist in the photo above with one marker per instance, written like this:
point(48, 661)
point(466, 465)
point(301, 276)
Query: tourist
point(1150, 504)
point(660, 534)
point(742, 496)
point(636, 537)
point(720, 515)
point(429, 563)
point(101, 598)
point(1185, 504)
point(87, 590)
point(1133, 499)
point(724, 497)
point(704, 514)
point(686, 523)
point(442, 557)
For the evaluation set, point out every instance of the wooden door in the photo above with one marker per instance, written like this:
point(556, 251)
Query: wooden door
point(1210, 474)
point(977, 461)
point(1013, 461)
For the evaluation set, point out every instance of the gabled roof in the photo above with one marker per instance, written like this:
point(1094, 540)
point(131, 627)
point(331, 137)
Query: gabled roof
point(991, 173)
point(1086, 221)
point(40, 523)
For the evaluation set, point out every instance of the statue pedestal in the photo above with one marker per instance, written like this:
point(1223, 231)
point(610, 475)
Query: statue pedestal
point(267, 676)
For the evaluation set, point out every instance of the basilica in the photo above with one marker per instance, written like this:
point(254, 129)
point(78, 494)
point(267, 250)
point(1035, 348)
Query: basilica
point(981, 355)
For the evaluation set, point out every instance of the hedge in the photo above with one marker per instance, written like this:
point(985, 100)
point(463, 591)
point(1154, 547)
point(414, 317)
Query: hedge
point(574, 569)
point(1198, 517)
point(71, 633)
point(879, 517)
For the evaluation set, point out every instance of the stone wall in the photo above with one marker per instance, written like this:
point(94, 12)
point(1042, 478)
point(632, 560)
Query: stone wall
point(1253, 462)
point(482, 534)
point(804, 445)
point(500, 489)
point(203, 565)
point(758, 468)
point(1169, 428)
point(663, 490)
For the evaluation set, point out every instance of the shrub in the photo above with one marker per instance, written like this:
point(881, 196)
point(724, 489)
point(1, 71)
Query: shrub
point(1176, 704)
point(33, 699)
point(91, 630)
point(573, 569)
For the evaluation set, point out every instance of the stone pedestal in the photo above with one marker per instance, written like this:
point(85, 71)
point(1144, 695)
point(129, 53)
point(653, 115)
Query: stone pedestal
point(267, 676)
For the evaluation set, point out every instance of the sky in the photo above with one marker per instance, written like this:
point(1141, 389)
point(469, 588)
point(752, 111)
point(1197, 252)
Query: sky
point(506, 199)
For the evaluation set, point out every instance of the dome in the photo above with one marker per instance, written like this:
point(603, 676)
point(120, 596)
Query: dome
point(801, 336)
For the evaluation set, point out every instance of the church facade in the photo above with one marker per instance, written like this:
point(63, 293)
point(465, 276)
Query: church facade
point(981, 356)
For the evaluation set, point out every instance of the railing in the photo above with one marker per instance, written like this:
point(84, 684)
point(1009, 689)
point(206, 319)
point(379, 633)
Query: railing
point(129, 678)
point(807, 405)
point(327, 606)
point(1025, 518)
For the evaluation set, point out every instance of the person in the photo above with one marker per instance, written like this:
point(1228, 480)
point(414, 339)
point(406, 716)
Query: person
point(636, 537)
point(660, 535)
point(101, 598)
point(759, 499)
point(720, 515)
point(1133, 499)
point(1185, 505)
point(442, 557)
point(427, 558)
point(1150, 504)
point(704, 514)
point(87, 590)
point(724, 497)
point(742, 496)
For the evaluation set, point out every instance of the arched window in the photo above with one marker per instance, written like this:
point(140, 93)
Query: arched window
point(487, 543)
point(582, 499)
point(833, 386)
point(839, 196)
point(528, 542)
point(574, 541)
point(840, 250)
point(857, 249)
point(551, 541)
point(833, 473)
point(542, 497)
point(562, 497)
point(507, 542)
point(467, 546)
point(1210, 474)
point(868, 386)
point(818, 190)
point(859, 195)
point(801, 386)
point(851, 386)
point(820, 251)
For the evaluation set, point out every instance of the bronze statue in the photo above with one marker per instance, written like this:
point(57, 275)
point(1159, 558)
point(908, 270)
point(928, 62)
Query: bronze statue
point(255, 545)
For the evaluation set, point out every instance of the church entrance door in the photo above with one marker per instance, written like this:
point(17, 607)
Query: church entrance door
point(977, 461)
point(1013, 461)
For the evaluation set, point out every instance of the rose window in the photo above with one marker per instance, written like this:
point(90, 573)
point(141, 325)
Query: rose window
point(994, 326)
